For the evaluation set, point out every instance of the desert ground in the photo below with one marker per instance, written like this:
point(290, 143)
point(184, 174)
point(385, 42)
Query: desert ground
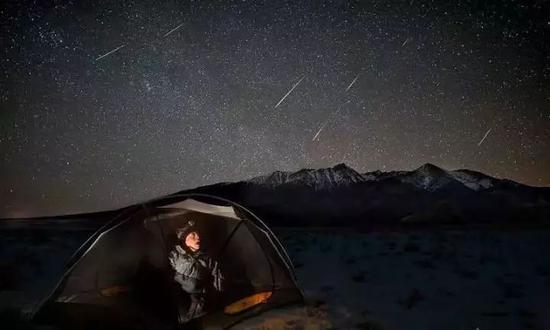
point(414, 279)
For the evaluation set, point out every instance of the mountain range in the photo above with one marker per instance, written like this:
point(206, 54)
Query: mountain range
point(341, 196)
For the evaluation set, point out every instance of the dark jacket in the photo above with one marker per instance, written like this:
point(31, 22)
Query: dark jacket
point(196, 272)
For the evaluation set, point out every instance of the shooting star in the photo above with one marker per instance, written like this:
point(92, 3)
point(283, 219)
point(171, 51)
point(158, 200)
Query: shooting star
point(484, 136)
point(290, 91)
point(405, 42)
point(173, 30)
point(353, 82)
point(319, 131)
point(109, 53)
point(328, 120)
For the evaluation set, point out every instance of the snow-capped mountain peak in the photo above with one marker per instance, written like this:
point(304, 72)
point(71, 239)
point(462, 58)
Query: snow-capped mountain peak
point(324, 178)
point(431, 169)
point(473, 180)
point(427, 177)
point(274, 179)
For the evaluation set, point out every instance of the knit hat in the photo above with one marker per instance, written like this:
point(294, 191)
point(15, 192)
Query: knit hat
point(183, 231)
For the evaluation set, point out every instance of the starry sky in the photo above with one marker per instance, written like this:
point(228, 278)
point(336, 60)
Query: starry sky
point(107, 103)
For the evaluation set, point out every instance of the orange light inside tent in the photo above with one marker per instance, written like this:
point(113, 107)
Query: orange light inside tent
point(114, 290)
point(247, 303)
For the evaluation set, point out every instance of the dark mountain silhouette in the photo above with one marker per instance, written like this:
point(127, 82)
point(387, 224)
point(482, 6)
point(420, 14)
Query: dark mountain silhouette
point(340, 195)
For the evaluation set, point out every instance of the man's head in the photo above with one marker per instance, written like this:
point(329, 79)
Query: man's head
point(189, 236)
point(193, 241)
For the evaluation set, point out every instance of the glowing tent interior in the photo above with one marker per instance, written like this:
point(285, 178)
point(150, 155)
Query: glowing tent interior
point(122, 276)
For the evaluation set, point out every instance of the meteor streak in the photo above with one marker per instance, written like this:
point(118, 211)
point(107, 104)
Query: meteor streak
point(353, 82)
point(484, 136)
point(173, 30)
point(319, 131)
point(328, 120)
point(290, 91)
point(109, 53)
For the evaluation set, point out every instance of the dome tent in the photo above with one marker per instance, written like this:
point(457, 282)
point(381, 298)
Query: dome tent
point(122, 278)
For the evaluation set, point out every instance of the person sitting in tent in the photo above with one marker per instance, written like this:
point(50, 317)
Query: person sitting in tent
point(196, 272)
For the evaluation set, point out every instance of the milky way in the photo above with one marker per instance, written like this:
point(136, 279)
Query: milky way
point(107, 103)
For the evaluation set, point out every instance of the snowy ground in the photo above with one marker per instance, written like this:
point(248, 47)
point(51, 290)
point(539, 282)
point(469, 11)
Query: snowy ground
point(379, 280)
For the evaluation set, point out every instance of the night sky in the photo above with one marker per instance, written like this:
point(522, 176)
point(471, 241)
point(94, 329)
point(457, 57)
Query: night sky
point(104, 104)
